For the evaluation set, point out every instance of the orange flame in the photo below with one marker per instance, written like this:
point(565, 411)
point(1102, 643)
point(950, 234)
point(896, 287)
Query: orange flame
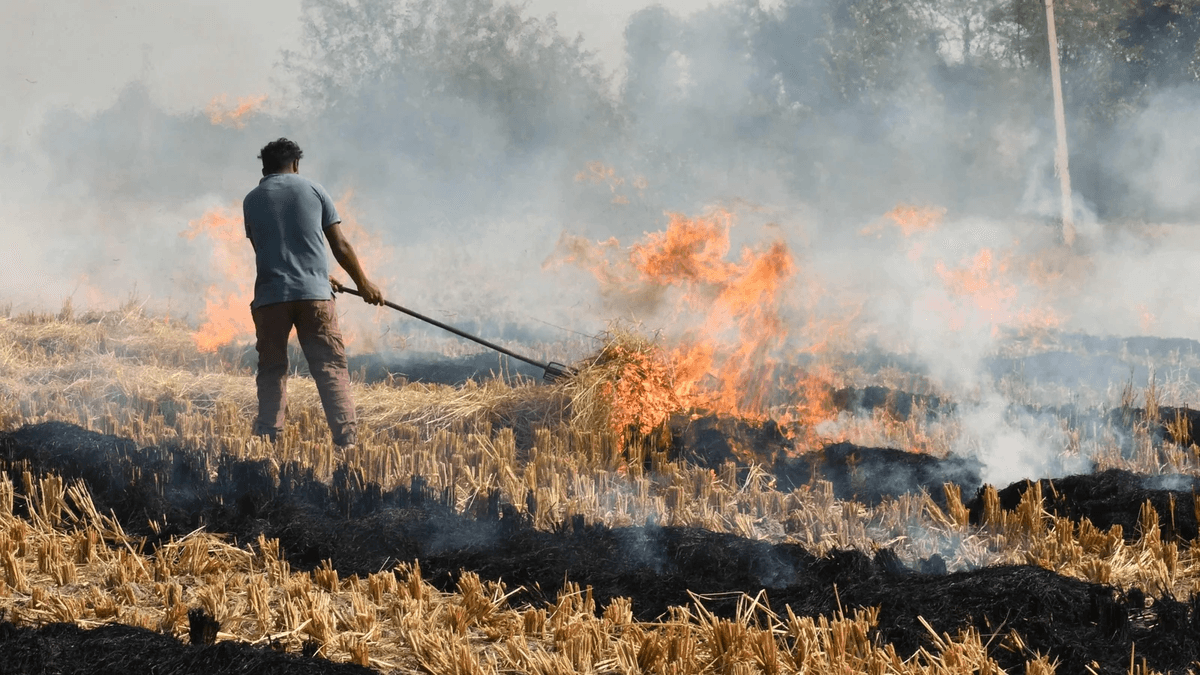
point(721, 364)
point(226, 312)
point(226, 316)
point(976, 282)
point(599, 173)
point(376, 258)
point(643, 396)
point(92, 295)
point(730, 359)
point(984, 282)
point(221, 111)
point(909, 220)
point(1146, 318)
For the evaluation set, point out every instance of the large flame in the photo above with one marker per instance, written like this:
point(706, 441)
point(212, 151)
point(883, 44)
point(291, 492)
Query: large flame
point(226, 303)
point(738, 355)
point(724, 359)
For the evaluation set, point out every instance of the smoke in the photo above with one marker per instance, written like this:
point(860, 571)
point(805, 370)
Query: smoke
point(1013, 444)
point(1164, 145)
point(469, 135)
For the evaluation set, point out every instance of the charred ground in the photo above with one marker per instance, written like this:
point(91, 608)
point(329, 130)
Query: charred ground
point(362, 529)
point(67, 649)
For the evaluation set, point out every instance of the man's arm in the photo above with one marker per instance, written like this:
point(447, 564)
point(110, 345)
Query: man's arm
point(344, 254)
point(246, 222)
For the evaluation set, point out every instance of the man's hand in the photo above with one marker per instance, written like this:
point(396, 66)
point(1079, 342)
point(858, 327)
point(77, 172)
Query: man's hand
point(370, 293)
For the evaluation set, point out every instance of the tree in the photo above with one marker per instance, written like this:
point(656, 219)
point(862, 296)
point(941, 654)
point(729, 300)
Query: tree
point(422, 56)
point(961, 27)
point(1163, 41)
point(873, 45)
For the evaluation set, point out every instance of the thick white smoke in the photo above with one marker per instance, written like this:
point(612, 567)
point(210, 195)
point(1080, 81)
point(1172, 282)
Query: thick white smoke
point(472, 134)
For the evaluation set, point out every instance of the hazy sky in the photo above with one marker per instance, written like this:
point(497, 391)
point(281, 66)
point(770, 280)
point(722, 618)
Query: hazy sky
point(80, 54)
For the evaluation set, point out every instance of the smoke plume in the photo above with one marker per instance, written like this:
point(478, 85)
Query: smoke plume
point(902, 152)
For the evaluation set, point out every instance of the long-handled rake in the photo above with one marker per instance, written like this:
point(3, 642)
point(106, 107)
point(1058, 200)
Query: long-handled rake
point(552, 371)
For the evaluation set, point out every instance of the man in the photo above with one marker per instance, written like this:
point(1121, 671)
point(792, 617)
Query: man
point(288, 219)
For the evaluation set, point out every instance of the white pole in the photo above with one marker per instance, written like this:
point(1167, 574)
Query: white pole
point(1060, 124)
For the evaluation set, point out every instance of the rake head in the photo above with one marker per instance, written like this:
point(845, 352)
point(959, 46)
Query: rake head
point(556, 372)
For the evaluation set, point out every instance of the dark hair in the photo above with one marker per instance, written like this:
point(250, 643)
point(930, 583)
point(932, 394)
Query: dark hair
point(279, 154)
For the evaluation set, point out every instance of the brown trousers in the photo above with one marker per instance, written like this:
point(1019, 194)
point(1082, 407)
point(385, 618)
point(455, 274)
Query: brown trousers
point(317, 329)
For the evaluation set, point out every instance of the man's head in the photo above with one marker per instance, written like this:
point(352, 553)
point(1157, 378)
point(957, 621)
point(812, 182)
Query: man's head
point(280, 156)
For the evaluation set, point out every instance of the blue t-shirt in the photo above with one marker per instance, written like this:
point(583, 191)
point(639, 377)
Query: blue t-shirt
point(286, 217)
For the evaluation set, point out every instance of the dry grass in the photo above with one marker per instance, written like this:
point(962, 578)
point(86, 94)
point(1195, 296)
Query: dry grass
point(68, 563)
point(626, 388)
point(140, 377)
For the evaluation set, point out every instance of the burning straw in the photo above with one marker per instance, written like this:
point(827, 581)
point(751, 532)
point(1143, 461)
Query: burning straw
point(142, 378)
point(628, 388)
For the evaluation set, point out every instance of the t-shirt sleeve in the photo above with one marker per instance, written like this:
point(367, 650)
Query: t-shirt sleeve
point(329, 214)
point(246, 219)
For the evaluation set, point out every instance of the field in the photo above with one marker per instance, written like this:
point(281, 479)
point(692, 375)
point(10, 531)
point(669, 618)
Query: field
point(505, 525)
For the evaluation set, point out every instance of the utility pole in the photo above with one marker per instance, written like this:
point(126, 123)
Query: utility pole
point(1060, 125)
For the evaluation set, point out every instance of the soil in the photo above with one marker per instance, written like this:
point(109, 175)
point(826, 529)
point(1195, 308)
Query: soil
point(1112, 497)
point(66, 649)
point(869, 475)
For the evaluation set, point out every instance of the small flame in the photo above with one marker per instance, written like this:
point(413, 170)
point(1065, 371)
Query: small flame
point(91, 294)
point(599, 173)
point(376, 258)
point(221, 111)
point(978, 282)
point(227, 318)
point(810, 405)
point(910, 221)
point(985, 283)
point(1146, 318)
